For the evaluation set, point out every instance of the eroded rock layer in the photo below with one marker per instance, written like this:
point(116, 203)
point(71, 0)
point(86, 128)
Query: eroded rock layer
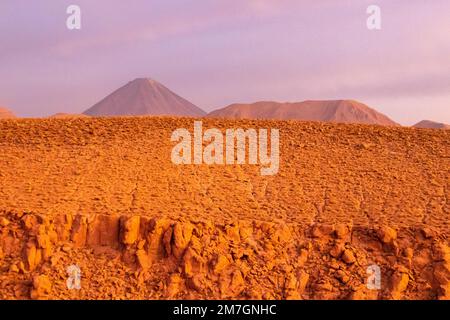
point(148, 258)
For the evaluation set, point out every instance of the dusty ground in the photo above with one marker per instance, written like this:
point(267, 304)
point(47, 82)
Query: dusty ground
point(103, 194)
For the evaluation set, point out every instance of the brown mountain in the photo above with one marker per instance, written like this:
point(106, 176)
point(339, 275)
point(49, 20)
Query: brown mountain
point(6, 114)
point(144, 97)
point(427, 124)
point(347, 111)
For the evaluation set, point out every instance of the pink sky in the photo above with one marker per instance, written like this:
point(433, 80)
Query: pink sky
point(218, 52)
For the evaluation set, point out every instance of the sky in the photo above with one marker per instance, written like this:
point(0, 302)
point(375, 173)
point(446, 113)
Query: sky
point(218, 52)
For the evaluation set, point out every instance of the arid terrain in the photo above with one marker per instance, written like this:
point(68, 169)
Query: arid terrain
point(103, 194)
point(62, 115)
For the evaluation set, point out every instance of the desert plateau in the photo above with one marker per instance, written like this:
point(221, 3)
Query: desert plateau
point(102, 194)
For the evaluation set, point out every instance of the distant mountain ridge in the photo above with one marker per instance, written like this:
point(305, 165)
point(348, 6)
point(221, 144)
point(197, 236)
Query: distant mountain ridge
point(6, 113)
point(62, 115)
point(345, 111)
point(428, 124)
point(144, 96)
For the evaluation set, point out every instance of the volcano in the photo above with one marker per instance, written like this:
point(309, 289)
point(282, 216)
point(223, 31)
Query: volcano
point(144, 96)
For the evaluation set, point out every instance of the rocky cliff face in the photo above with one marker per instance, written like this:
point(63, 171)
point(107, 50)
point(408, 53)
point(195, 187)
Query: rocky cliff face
point(140, 258)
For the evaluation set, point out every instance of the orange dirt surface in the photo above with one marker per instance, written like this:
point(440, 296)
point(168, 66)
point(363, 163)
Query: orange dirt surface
point(103, 194)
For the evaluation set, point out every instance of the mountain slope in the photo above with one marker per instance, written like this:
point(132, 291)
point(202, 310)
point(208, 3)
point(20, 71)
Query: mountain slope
point(144, 97)
point(347, 111)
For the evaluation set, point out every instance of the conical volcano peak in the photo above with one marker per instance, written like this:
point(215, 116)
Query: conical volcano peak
point(144, 81)
point(144, 96)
